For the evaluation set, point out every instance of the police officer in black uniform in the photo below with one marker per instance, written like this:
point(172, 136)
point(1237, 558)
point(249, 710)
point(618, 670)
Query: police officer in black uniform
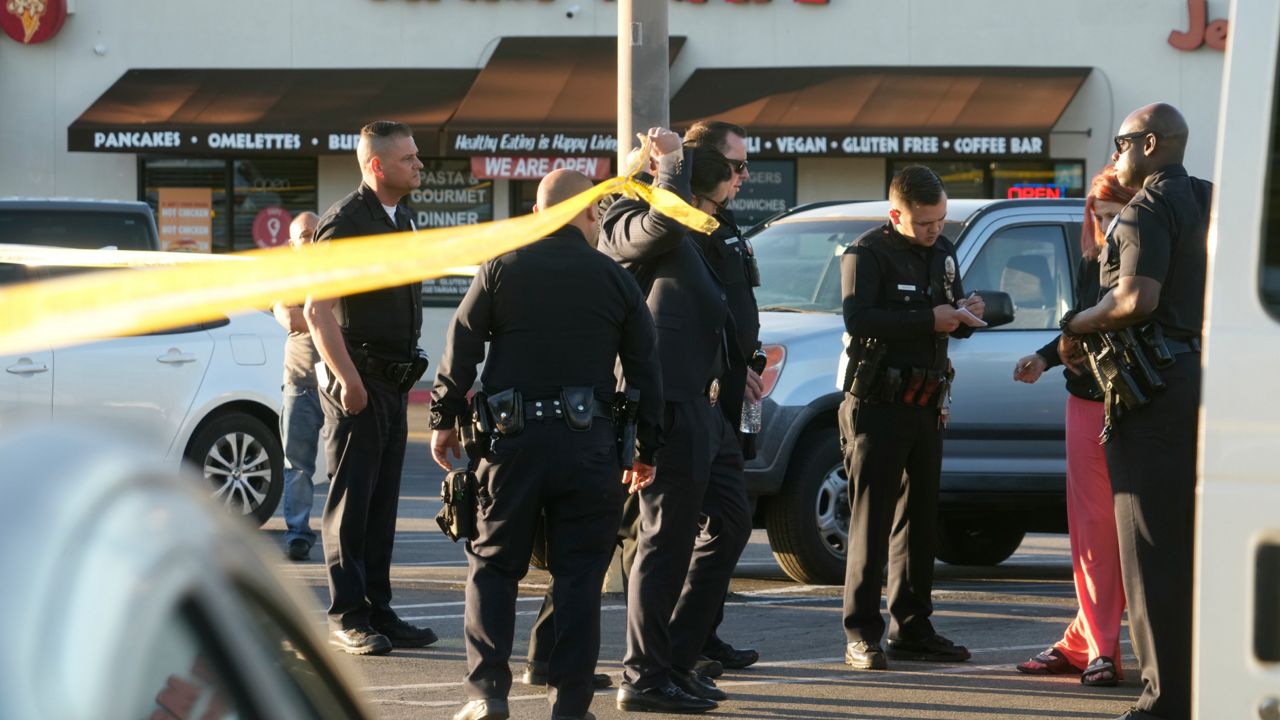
point(734, 261)
point(1154, 270)
point(901, 297)
point(695, 519)
point(369, 344)
point(542, 634)
point(557, 316)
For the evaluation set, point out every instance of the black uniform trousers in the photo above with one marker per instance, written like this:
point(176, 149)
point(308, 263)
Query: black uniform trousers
point(893, 458)
point(1152, 461)
point(365, 453)
point(695, 520)
point(574, 480)
point(542, 636)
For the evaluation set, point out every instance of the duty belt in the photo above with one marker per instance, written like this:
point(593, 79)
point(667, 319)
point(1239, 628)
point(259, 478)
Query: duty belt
point(388, 369)
point(552, 408)
point(1178, 346)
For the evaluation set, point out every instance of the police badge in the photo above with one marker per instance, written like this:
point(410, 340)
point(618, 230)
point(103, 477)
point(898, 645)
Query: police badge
point(949, 268)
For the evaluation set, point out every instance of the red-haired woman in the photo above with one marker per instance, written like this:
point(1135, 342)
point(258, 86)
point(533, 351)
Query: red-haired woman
point(1091, 644)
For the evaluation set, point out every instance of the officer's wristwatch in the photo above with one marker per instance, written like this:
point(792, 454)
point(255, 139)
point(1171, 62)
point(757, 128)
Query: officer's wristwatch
point(437, 420)
point(1065, 324)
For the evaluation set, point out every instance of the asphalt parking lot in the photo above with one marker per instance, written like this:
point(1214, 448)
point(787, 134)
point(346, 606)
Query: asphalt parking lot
point(1002, 614)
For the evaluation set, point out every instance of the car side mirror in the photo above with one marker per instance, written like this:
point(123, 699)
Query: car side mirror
point(999, 310)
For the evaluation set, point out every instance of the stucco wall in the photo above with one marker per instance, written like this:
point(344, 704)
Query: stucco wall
point(44, 88)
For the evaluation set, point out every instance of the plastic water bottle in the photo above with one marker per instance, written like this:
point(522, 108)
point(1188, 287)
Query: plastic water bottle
point(751, 411)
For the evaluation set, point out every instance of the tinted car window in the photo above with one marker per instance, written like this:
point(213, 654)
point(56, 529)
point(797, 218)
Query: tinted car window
point(1030, 263)
point(313, 688)
point(75, 229)
point(800, 262)
point(1270, 280)
point(184, 674)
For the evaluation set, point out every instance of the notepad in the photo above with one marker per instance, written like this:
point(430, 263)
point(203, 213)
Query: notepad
point(970, 319)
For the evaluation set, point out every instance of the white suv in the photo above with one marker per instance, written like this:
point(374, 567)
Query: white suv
point(208, 392)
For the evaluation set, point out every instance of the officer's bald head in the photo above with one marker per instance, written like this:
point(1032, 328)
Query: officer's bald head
point(1150, 138)
point(303, 228)
point(560, 185)
point(1162, 119)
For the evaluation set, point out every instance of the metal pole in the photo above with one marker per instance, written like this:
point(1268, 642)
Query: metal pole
point(644, 96)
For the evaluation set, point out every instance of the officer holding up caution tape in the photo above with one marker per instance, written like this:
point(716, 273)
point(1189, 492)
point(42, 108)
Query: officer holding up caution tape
point(902, 299)
point(557, 315)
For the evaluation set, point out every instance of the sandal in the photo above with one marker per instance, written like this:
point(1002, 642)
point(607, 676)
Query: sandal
point(1049, 662)
point(1092, 675)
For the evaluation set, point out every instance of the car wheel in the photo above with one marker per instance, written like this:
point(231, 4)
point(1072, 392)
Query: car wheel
point(976, 543)
point(242, 461)
point(808, 521)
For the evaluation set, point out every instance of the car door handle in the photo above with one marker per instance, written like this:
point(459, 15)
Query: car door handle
point(26, 367)
point(175, 357)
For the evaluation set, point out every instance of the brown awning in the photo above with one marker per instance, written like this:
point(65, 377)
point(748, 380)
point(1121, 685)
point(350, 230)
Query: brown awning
point(239, 112)
point(908, 111)
point(543, 96)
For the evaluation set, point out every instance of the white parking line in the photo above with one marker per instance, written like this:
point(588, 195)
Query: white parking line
point(614, 608)
point(851, 675)
point(784, 590)
point(455, 603)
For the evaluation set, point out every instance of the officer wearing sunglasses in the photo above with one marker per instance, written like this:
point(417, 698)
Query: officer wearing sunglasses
point(1153, 269)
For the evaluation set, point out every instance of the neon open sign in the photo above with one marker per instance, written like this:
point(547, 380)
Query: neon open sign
point(1035, 190)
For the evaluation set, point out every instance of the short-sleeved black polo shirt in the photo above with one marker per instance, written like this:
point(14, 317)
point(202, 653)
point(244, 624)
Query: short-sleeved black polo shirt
point(389, 320)
point(1161, 234)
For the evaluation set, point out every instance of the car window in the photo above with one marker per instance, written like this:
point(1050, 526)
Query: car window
point(800, 262)
point(185, 674)
point(1269, 282)
point(1029, 262)
point(76, 229)
point(313, 688)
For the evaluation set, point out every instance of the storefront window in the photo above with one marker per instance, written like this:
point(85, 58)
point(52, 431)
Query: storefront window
point(265, 194)
point(268, 194)
point(1047, 179)
point(524, 194)
point(769, 189)
point(160, 175)
point(449, 196)
point(963, 179)
point(1005, 179)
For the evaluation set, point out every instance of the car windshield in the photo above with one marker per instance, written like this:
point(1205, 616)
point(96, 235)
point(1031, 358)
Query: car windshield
point(800, 262)
point(83, 230)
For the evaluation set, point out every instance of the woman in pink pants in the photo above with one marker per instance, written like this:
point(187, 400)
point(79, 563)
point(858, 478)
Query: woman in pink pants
point(1091, 644)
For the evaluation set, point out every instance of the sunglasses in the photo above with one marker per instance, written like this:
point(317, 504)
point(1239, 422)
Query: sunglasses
point(739, 166)
point(1124, 142)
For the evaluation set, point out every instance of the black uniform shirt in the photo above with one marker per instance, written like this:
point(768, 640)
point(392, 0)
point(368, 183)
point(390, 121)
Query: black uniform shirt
point(683, 292)
point(1161, 234)
point(890, 289)
point(556, 314)
point(729, 254)
point(1081, 385)
point(388, 320)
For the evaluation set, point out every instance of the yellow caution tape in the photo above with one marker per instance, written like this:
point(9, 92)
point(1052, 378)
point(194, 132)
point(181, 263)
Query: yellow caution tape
point(64, 311)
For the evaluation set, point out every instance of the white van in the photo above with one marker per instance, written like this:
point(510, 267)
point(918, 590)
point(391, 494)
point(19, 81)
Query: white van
point(1237, 615)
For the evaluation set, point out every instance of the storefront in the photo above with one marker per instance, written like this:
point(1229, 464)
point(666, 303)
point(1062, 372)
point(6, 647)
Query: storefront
point(1004, 101)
